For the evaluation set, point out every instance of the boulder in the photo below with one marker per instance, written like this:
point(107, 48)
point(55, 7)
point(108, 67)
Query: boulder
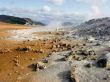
point(82, 52)
point(86, 71)
point(103, 60)
point(37, 66)
point(40, 65)
point(25, 49)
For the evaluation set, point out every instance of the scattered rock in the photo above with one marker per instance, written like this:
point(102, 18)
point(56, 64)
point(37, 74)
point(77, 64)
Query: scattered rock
point(69, 47)
point(17, 64)
point(69, 58)
point(82, 52)
point(25, 49)
point(15, 61)
point(6, 50)
point(39, 51)
point(32, 59)
point(81, 73)
point(89, 65)
point(103, 60)
point(37, 66)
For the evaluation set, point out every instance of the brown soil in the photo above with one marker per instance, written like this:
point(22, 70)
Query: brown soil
point(9, 71)
point(5, 26)
point(15, 63)
point(4, 34)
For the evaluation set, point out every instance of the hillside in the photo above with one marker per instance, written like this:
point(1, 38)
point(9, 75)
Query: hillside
point(18, 20)
point(99, 28)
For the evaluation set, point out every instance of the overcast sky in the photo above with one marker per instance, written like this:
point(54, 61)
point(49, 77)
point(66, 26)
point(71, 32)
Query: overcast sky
point(89, 8)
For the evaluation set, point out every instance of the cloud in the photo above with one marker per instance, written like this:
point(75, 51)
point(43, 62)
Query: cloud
point(58, 2)
point(93, 2)
point(46, 9)
point(94, 13)
point(95, 7)
point(23, 12)
point(14, 11)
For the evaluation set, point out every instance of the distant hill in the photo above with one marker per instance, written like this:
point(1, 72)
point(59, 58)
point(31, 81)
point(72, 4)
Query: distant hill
point(18, 20)
point(99, 28)
point(67, 24)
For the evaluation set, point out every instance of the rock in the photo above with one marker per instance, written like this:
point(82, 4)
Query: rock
point(69, 47)
point(97, 44)
point(17, 64)
point(108, 69)
point(74, 75)
point(41, 51)
point(40, 65)
point(45, 61)
point(93, 57)
point(80, 73)
point(32, 59)
point(58, 46)
point(103, 60)
point(15, 61)
point(70, 58)
point(16, 56)
point(82, 52)
point(25, 49)
point(6, 50)
point(91, 52)
point(84, 44)
point(89, 65)
point(54, 50)
point(37, 66)
point(27, 74)
point(16, 71)
point(54, 46)
point(64, 45)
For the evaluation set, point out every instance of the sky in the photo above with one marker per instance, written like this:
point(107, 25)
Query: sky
point(88, 8)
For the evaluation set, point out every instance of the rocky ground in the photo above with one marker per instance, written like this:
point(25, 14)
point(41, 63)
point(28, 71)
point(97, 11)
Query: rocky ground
point(38, 54)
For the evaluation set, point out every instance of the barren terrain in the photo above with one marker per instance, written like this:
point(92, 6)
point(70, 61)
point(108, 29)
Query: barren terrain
point(40, 54)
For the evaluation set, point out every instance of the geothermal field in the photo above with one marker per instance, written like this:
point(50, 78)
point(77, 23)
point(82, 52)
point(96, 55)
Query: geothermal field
point(54, 40)
point(42, 54)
